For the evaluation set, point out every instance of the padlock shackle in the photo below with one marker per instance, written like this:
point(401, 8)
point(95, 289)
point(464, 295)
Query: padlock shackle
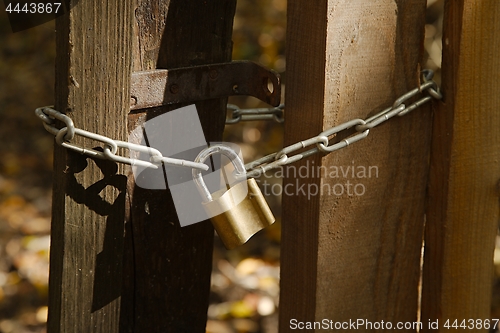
point(206, 153)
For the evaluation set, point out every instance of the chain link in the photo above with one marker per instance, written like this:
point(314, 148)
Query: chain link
point(360, 127)
point(237, 114)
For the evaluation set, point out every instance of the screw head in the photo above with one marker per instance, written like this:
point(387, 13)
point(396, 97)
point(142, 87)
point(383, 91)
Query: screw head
point(213, 74)
point(174, 89)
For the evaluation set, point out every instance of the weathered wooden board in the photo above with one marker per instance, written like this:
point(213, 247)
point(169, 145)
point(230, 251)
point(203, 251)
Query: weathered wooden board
point(462, 215)
point(354, 256)
point(166, 277)
point(92, 79)
point(168, 267)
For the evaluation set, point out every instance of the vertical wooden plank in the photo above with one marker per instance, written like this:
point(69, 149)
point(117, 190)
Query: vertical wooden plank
point(354, 256)
point(462, 216)
point(92, 79)
point(168, 268)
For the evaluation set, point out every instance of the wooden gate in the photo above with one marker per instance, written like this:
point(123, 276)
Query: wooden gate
point(118, 267)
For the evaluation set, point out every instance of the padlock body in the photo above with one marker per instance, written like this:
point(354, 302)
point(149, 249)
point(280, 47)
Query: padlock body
point(241, 219)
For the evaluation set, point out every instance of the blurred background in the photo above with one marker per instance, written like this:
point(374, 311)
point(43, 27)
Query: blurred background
point(245, 281)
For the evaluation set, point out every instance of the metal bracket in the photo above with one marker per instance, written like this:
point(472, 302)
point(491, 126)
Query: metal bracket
point(190, 84)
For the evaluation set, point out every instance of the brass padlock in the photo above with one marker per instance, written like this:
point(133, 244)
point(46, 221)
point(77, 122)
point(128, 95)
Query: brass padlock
point(239, 212)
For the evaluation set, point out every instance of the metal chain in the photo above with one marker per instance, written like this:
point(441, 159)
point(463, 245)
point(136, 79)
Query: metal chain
point(237, 114)
point(362, 128)
point(66, 134)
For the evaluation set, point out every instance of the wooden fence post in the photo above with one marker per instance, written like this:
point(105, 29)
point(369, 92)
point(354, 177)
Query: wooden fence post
point(92, 86)
point(352, 256)
point(462, 215)
point(166, 270)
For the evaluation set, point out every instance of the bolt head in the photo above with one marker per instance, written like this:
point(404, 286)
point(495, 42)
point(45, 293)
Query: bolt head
point(174, 89)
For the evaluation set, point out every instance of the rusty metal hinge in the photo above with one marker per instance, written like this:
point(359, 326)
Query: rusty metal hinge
point(190, 84)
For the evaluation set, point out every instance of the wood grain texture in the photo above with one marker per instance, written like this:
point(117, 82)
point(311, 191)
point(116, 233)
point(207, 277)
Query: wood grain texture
point(168, 268)
point(92, 79)
point(348, 257)
point(462, 217)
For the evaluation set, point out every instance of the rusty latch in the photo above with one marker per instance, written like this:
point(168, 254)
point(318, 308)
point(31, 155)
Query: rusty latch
point(191, 84)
